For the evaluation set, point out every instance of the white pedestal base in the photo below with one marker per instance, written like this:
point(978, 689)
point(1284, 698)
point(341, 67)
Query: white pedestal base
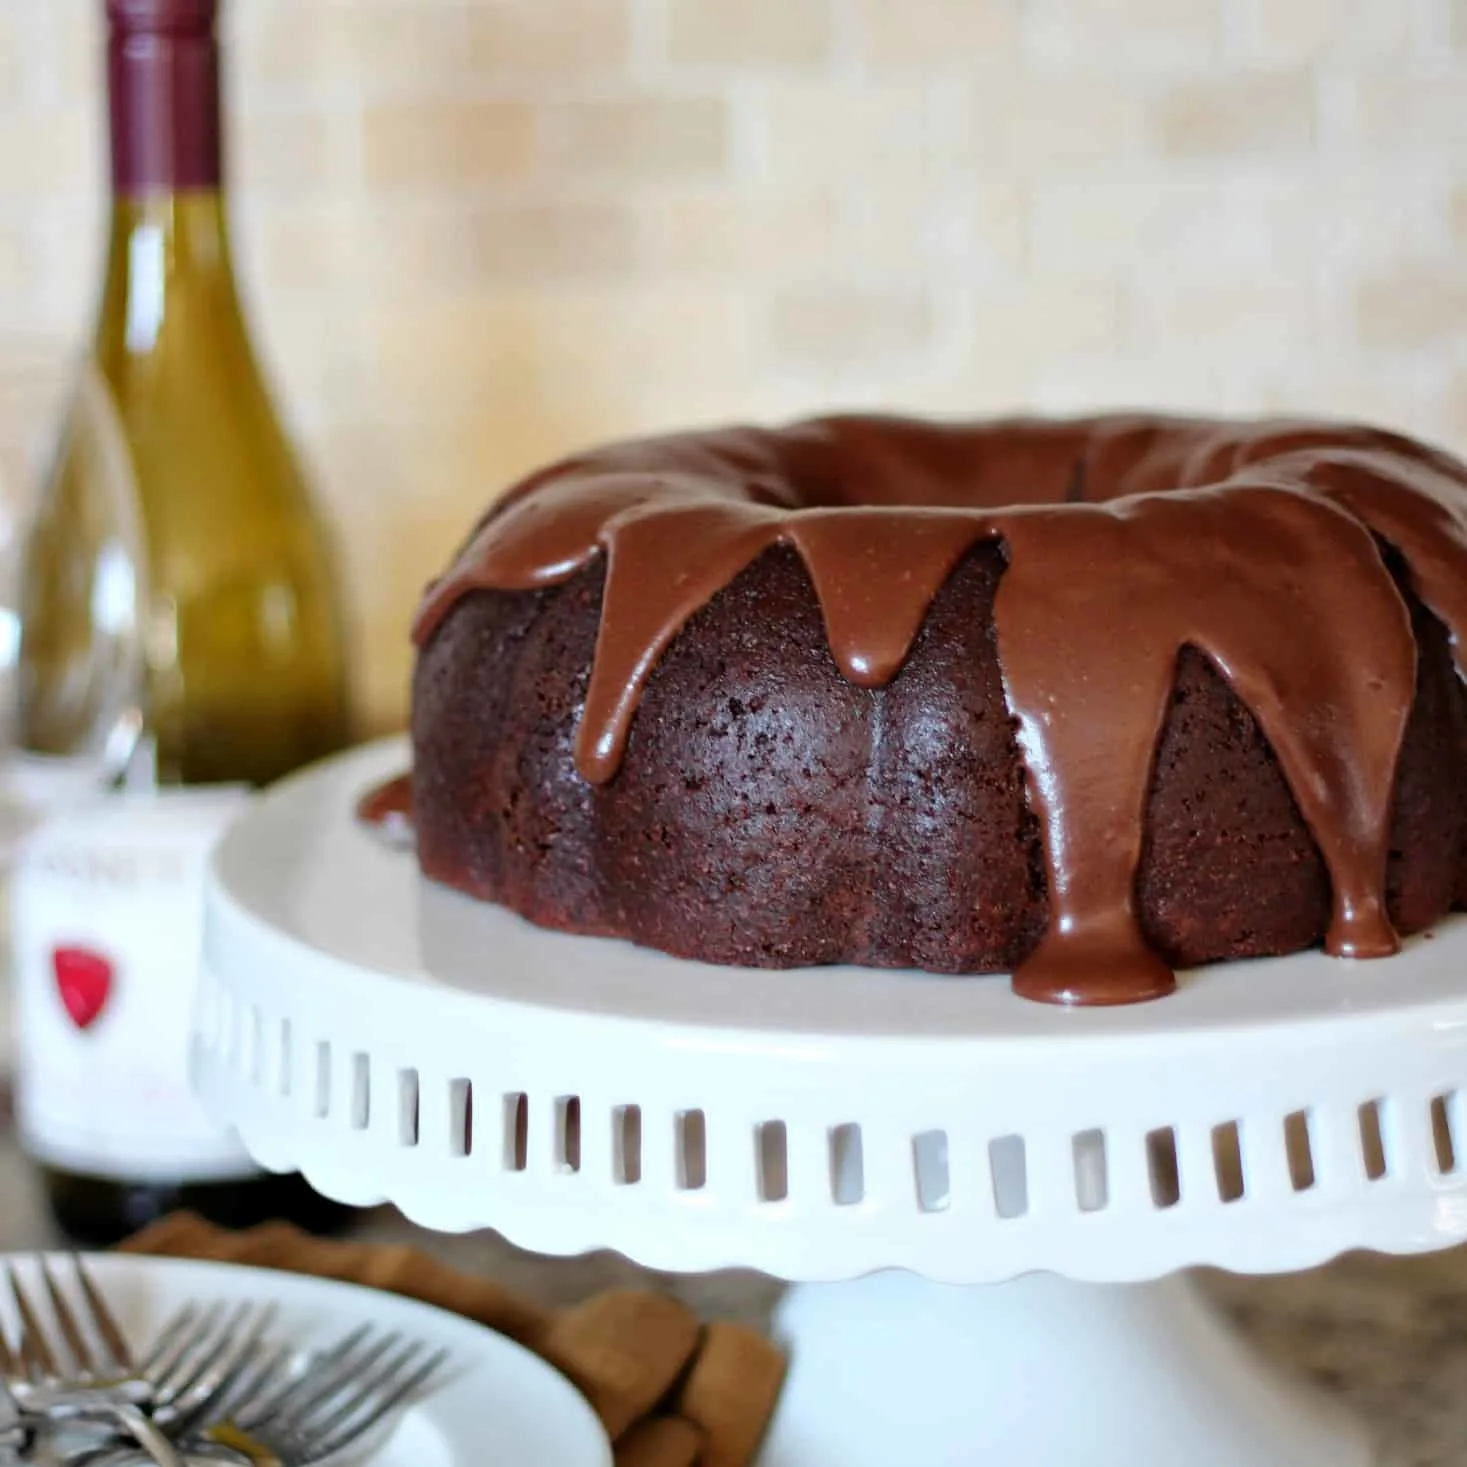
point(1040, 1372)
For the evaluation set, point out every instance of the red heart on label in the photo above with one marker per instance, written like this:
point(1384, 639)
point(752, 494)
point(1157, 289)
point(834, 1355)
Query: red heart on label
point(84, 981)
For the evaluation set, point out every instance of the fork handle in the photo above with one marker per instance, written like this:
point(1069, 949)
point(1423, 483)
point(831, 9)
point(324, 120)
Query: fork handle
point(131, 1454)
point(136, 1424)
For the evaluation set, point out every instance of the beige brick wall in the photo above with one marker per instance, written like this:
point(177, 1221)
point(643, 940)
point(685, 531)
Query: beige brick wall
point(477, 232)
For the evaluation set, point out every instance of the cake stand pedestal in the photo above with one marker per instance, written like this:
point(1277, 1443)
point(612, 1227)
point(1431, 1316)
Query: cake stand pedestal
point(987, 1206)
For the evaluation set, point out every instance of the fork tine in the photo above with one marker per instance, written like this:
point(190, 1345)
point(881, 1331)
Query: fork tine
point(176, 1336)
point(204, 1341)
point(326, 1415)
point(10, 1367)
point(210, 1388)
point(389, 1400)
point(409, 1385)
point(82, 1356)
point(240, 1339)
point(102, 1318)
point(221, 1371)
point(325, 1377)
point(36, 1357)
point(328, 1375)
point(252, 1375)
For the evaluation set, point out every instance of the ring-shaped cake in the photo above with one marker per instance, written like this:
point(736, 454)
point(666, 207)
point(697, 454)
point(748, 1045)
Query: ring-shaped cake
point(1086, 701)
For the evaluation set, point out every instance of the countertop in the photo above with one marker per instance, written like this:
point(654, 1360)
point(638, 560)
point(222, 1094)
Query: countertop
point(1387, 1334)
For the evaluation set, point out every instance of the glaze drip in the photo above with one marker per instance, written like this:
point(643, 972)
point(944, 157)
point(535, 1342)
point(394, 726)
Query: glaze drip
point(387, 809)
point(1126, 538)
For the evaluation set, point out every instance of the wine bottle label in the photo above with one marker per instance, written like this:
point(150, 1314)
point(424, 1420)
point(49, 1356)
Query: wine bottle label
point(107, 926)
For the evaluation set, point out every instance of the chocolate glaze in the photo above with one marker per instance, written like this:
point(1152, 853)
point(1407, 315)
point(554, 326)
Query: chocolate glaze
point(388, 807)
point(1127, 539)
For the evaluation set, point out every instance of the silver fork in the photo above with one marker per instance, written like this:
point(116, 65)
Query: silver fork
point(199, 1353)
point(92, 1386)
point(31, 1370)
point(273, 1417)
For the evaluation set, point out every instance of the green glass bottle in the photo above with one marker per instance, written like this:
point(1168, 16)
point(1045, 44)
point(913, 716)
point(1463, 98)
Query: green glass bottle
point(180, 645)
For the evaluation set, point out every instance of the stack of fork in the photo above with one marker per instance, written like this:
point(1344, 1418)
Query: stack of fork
point(212, 1387)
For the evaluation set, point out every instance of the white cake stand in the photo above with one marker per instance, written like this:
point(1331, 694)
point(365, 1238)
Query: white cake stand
point(986, 1204)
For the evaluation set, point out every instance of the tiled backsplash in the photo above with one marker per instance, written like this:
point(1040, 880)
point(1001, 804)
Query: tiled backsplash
point(478, 232)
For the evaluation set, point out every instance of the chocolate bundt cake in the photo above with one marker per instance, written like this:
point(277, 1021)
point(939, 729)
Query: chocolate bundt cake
point(1082, 701)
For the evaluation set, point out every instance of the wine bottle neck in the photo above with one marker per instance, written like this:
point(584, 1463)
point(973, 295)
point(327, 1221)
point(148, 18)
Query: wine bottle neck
point(168, 241)
point(163, 249)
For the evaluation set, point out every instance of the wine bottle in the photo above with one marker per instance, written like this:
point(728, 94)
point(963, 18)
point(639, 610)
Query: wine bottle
point(180, 646)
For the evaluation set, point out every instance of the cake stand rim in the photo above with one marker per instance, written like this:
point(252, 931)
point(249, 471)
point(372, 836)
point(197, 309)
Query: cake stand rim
point(340, 1119)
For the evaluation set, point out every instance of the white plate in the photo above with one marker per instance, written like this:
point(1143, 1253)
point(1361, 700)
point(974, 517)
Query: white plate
point(501, 1406)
